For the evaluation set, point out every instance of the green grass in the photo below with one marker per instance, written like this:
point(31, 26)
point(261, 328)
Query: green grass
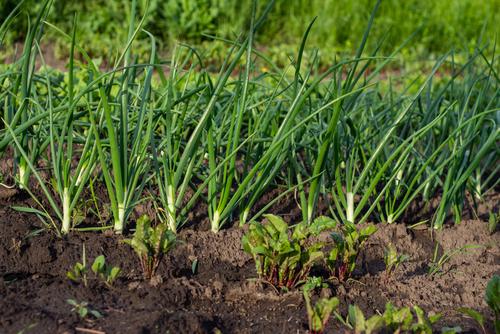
point(173, 134)
point(442, 25)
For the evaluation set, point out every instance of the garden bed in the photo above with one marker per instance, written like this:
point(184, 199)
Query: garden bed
point(120, 152)
point(222, 293)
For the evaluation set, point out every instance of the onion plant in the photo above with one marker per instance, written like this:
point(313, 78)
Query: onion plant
point(474, 148)
point(174, 170)
point(128, 125)
point(319, 151)
point(441, 161)
point(8, 21)
point(413, 177)
point(19, 103)
point(233, 116)
point(268, 155)
point(176, 161)
point(69, 180)
point(361, 166)
point(332, 124)
point(171, 131)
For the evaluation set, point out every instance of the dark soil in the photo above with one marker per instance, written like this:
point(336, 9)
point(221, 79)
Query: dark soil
point(222, 294)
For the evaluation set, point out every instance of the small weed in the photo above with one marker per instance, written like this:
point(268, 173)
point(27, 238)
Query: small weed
point(28, 328)
point(436, 265)
point(83, 309)
point(79, 270)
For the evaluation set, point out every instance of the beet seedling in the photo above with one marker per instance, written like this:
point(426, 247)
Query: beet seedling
point(319, 313)
point(473, 314)
point(451, 330)
point(393, 320)
point(397, 320)
point(424, 322)
point(107, 273)
point(402, 320)
point(360, 324)
point(341, 260)
point(492, 298)
point(78, 272)
point(314, 282)
point(151, 243)
point(392, 259)
point(283, 255)
point(493, 222)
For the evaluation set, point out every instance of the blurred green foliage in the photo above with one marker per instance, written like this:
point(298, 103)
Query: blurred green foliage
point(445, 24)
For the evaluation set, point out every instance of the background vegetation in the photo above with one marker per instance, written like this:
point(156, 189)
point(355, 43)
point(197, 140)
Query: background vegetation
point(102, 24)
point(157, 141)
